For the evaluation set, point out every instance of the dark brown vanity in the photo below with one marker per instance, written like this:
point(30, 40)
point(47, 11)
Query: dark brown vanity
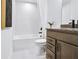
point(62, 43)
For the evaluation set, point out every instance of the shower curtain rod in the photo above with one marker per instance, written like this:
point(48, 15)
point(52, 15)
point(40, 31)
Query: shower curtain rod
point(27, 2)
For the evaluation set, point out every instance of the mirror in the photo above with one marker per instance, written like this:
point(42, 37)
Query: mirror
point(69, 12)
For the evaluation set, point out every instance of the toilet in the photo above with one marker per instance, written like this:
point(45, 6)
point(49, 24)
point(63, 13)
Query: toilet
point(41, 43)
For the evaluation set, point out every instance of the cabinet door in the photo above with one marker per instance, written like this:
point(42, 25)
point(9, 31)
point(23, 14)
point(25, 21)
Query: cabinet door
point(66, 51)
point(50, 55)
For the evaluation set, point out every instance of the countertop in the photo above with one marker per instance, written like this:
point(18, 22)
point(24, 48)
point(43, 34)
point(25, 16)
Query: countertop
point(67, 35)
point(65, 30)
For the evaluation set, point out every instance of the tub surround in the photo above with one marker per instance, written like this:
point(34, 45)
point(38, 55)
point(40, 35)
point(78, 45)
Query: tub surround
point(62, 43)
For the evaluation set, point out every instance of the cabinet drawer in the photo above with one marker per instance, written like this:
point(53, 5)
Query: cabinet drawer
point(51, 47)
point(70, 38)
point(51, 40)
point(50, 55)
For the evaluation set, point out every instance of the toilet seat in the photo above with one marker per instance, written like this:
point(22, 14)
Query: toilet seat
point(40, 41)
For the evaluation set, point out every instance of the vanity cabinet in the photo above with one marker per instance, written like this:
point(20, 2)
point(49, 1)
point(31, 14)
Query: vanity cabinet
point(62, 44)
point(66, 51)
point(50, 48)
point(50, 55)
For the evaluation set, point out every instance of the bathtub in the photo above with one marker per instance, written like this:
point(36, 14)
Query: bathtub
point(28, 36)
point(23, 42)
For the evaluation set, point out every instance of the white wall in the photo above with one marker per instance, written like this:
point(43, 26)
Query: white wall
point(54, 11)
point(27, 19)
point(69, 11)
point(50, 9)
point(7, 36)
point(6, 43)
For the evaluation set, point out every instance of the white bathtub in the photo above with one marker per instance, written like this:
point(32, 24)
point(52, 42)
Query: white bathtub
point(23, 42)
point(28, 36)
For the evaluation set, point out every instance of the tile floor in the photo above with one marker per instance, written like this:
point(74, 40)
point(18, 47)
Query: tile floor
point(26, 49)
